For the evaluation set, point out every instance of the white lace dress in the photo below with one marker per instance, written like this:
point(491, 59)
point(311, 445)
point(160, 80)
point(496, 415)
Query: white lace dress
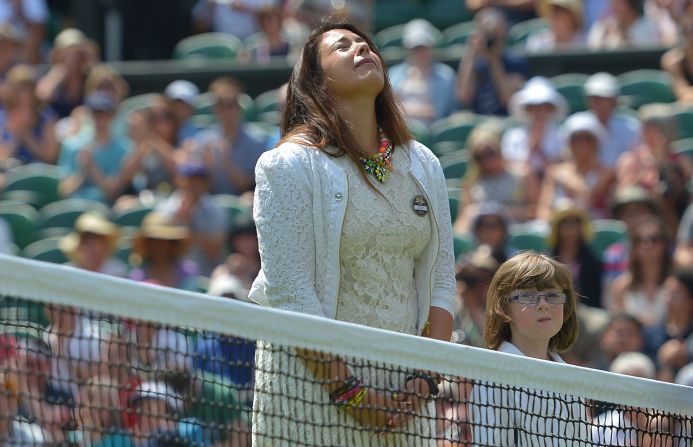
point(381, 239)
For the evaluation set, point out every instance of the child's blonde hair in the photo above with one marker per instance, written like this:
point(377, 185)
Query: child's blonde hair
point(533, 271)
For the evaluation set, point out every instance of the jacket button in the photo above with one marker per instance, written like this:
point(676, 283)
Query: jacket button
point(338, 197)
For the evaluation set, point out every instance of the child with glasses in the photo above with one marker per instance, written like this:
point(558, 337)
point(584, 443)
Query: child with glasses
point(530, 311)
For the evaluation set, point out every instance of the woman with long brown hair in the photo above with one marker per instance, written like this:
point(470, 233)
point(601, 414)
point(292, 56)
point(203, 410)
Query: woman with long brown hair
point(346, 165)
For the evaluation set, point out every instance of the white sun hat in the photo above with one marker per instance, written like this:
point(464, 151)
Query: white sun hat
point(537, 90)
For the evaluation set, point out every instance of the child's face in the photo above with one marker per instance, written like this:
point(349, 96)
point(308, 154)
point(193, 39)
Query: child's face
point(535, 324)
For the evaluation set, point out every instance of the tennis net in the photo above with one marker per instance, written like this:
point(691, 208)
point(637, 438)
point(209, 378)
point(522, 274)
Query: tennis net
point(90, 360)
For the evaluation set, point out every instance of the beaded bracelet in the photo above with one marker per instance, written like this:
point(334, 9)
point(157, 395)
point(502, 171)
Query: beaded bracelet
point(350, 394)
point(432, 385)
point(349, 384)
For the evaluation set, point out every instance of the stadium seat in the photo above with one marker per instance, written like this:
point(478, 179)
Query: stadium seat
point(684, 119)
point(64, 213)
point(454, 201)
point(463, 243)
point(445, 13)
point(234, 207)
point(526, 238)
point(209, 46)
point(387, 13)
point(684, 146)
point(419, 131)
point(454, 129)
point(571, 86)
point(607, 232)
point(131, 217)
point(454, 164)
point(35, 184)
point(21, 219)
point(518, 33)
point(646, 86)
point(267, 106)
point(455, 36)
point(47, 250)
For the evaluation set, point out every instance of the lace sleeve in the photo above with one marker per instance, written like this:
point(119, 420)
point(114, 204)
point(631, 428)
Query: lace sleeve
point(284, 218)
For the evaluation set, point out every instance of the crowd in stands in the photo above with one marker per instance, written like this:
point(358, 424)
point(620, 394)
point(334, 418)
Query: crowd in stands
point(537, 173)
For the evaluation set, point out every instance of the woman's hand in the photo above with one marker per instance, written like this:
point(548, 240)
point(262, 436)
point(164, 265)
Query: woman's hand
point(384, 411)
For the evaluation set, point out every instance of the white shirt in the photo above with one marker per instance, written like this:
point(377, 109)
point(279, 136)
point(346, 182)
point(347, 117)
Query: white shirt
point(642, 32)
point(522, 417)
point(622, 134)
point(515, 146)
point(225, 19)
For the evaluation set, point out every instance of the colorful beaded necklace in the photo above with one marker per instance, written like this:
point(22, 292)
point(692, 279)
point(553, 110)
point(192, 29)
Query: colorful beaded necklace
point(379, 164)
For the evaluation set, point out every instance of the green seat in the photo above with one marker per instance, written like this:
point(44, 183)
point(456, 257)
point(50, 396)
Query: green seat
point(391, 37)
point(445, 13)
point(454, 164)
point(64, 213)
point(456, 36)
point(40, 179)
point(571, 86)
point(21, 219)
point(268, 108)
point(523, 238)
point(419, 131)
point(605, 233)
point(454, 202)
point(14, 310)
point(684, 120)
point(131, 217)
point(455, 128)
point(646, 86)
point(387, 13)
point(518, 33)
point(462, 243)
point(684, 146)
point(233, 205)
point(209, 46)
point(127, 107)
point(47, 250)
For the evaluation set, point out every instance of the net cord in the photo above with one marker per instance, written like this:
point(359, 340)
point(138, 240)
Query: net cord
point(40, 281)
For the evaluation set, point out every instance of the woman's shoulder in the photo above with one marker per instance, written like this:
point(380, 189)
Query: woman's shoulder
point(288, 153)
point(421, 151)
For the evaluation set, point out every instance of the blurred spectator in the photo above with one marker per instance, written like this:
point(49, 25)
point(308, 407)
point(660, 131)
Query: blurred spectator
point(93, 170)
point(229, 151)
point(622, 425)
point(29, 18)
point(571, 232)
point(592, 322)
point(149, 170)
point(582, 177)
point(158, 408)
point(312, 12)
point(184, 96)
point(192, 206)
point(670, 341)
point(488, 74)
point(623, 333)
point(28, 131)
point(274, 42)
point(678, 61)
point(243, 261)
point(683, 256)
point(425, 87)
point(473, 274)
point(594, 11)
point(536, 142)
point(665, 14)
point(653, 164)
point(490, 227)
point(100, 409)
point(63, 87)
point(565, 29)
point(9, 408)
point(161, 245)
point(515, 11)
point(622, 131)
point(624, 27)
point(10, 45)
point(233, 17)
point(640, 289)
point(91, 244)
point(685, 376)
point(629, 205)
point(489, 178)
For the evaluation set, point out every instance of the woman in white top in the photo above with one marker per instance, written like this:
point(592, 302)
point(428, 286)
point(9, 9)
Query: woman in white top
point(530, 311)
point(353, 224)
point(624, 27)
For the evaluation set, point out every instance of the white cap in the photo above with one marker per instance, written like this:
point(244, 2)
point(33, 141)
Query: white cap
point(418, 33)
point(223, 285)
point(538, 90)
point(685, 375)
point(602, 84)
point(583, 122)
point(184, 91)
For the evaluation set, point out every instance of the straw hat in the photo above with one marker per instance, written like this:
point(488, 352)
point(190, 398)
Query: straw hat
point(156, 225)
point(567, 208)
point(538, 90)
point(70, 37)
point(574, 7)
point(93, 223)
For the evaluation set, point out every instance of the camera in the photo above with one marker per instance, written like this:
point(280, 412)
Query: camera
point(491, 41)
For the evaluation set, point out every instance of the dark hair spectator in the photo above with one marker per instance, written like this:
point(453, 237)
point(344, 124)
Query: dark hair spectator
point(623, 27)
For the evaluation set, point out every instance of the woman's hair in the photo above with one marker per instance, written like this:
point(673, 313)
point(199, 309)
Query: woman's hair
point(479, 139)
point(19, 77)
point(101, 73)
point(311, 115)
point(534, 271)
point(635, 264)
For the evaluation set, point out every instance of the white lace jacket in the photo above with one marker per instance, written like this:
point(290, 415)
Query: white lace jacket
point(300, 200)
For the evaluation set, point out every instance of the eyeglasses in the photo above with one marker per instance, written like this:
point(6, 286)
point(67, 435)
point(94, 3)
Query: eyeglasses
point(531, 298)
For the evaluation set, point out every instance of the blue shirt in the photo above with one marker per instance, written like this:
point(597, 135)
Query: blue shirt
point(441, 87)
point(230, 357)
point(246, 150)
point(486, 100)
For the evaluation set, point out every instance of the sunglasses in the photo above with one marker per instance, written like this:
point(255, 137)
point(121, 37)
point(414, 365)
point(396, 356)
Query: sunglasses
point(531, 298)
